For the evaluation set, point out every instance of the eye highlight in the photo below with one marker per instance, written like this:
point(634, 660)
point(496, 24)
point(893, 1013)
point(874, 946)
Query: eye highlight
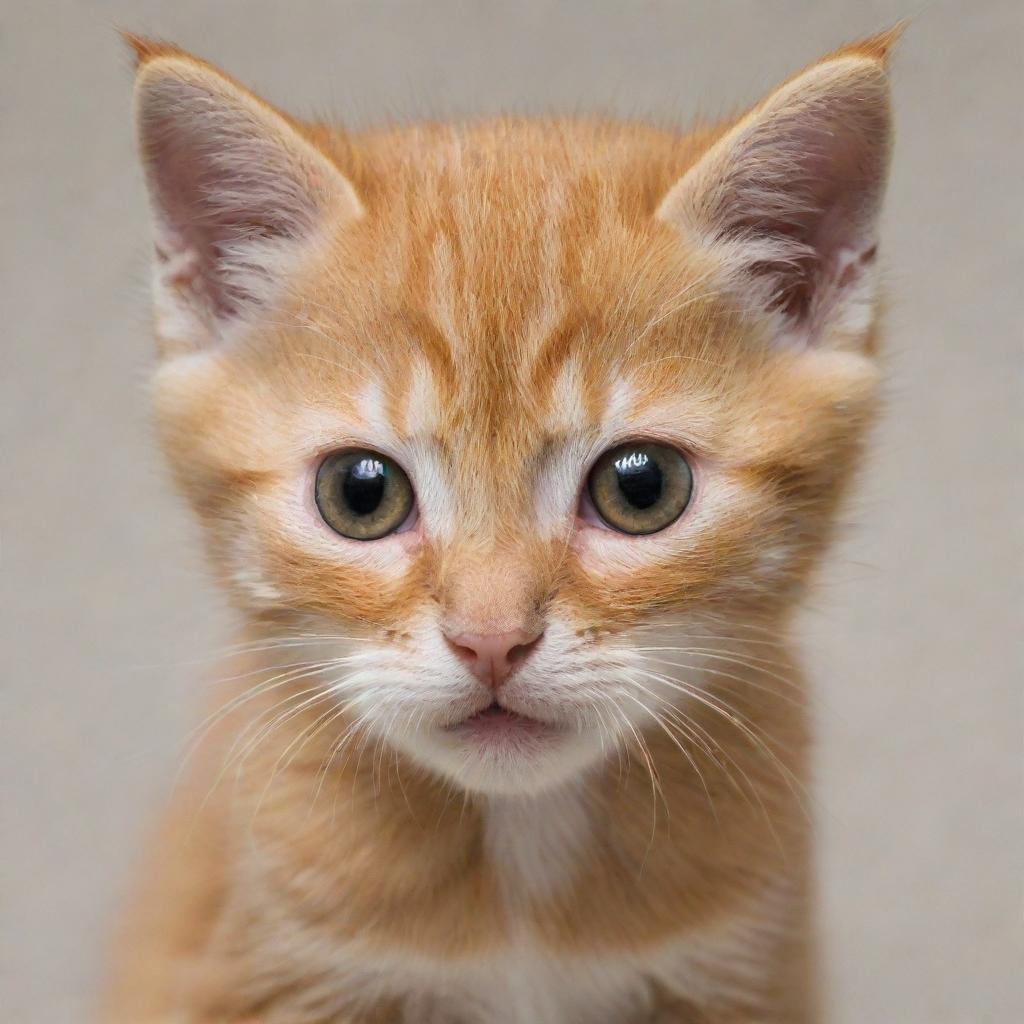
point(640, 487)
point(362, 494)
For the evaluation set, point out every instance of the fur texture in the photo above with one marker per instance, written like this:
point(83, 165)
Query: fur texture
point(494, 305)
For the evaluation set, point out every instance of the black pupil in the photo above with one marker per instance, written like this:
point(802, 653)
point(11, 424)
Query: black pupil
point(639, 479)
point(364, 485)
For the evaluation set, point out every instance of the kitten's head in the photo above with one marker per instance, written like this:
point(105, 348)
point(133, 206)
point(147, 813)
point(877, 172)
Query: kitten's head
point(493, 412)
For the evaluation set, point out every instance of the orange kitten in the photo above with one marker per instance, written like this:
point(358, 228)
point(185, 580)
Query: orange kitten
point(514, 443)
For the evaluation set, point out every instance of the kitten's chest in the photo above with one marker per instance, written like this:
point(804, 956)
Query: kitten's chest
point(524, 968)
point(535, 848)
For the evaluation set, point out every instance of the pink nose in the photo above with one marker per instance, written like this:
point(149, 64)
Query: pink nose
point(492, 657)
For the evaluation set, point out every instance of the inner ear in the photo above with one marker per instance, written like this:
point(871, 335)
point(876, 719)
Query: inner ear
point(789, 197)
point(817, 250)
point(238, 196)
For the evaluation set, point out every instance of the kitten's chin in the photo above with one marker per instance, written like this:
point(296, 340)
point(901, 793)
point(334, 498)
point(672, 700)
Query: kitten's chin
point(497, 751)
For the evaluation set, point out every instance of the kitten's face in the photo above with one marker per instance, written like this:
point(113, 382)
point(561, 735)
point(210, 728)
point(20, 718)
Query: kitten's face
point(504, 436)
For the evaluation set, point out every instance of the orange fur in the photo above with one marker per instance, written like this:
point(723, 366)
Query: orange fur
point(499, 299)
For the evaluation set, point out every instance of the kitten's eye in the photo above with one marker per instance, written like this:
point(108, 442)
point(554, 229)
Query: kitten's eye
point(363, 495)
point(640, 487)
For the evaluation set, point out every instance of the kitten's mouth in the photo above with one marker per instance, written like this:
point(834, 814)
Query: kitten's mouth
point(497, 723)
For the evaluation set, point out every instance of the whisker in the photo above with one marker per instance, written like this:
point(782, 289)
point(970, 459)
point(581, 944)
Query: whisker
point(303, 671)
point(229, 757)
point(693, 724)
point(739, 679)
point(741, 723)
point(656, 790)
point(675, 740)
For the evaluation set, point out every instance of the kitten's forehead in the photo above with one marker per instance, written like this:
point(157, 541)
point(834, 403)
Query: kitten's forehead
point(522, 304)
point(514, 263)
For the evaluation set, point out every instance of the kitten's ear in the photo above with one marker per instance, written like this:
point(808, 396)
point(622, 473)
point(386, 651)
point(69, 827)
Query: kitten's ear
point(238, 195)
point(789, 197)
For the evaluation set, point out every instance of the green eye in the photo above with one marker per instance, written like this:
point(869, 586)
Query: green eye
point(640, 487)
point(362, 494)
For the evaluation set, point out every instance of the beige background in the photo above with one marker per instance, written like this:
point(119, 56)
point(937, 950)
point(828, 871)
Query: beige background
point(107, 618)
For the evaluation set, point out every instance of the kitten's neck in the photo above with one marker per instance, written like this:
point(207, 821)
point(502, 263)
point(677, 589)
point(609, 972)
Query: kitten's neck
point(535, 840)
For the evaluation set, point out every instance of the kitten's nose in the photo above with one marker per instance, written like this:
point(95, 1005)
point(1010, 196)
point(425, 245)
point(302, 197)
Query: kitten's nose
point(492, 657)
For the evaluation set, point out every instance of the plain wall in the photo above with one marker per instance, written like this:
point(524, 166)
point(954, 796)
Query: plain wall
point(913, 636)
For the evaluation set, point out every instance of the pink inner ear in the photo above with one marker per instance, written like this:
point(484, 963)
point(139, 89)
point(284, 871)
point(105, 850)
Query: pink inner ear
point(816, 191)
point(225, 191)
point(794, 190)
point(191, 242)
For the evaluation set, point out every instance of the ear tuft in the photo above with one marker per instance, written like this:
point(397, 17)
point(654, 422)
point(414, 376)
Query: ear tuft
point(144, 49)
point(788, 198)
point(238, 195)
point(878, 47)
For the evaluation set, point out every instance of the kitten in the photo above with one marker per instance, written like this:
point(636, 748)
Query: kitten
point(514, 443)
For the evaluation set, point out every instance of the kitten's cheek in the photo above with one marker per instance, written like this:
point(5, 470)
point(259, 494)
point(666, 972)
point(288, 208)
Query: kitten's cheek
point(606, 555)
point(602, 552)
